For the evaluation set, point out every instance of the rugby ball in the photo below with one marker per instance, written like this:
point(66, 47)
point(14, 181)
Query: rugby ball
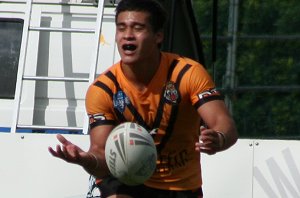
point(130, 153)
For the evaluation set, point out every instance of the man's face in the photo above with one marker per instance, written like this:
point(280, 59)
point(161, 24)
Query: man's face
point(135, 37)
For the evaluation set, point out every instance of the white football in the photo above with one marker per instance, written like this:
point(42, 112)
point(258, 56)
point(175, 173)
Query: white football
point(130, 153)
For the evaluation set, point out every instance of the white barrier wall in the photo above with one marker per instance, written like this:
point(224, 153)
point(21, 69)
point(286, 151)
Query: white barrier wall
point(250, 169)
point(254, 168)
point(228, 174)
point(28, 170)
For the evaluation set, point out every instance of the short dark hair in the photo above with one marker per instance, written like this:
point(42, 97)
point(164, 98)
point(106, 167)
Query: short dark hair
point(158, 15)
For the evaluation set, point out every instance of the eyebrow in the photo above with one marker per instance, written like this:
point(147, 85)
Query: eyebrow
point(131, 24)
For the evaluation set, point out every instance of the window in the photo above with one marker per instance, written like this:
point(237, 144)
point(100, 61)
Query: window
point(10, 44)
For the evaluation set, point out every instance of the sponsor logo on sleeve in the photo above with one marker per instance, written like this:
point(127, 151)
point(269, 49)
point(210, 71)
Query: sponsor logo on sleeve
point(96, 117)
point(208, 93)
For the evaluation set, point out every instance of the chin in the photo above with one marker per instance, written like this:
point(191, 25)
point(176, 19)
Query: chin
point(128, 60)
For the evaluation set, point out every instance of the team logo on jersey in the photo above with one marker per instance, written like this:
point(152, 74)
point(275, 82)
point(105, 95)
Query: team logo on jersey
point(120, 101)
point(171, 93)
point(96, 117)
point(208, 93)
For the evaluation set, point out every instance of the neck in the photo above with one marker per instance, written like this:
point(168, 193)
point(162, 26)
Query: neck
point(141, 73)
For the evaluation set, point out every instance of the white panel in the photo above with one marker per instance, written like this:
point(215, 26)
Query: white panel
point(276, 169)
point(228, 174)
point(28, 170)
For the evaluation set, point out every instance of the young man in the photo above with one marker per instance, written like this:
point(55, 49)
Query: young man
point(158, 90)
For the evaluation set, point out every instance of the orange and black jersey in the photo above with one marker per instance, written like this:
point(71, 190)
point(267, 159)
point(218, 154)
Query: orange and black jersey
point(168, 105)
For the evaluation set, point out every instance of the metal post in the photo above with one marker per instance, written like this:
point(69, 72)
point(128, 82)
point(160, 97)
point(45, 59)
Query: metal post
point(21, 66)
point(229, 78)
point(92, 75)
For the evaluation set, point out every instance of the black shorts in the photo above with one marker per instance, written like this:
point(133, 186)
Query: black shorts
point(111, 186)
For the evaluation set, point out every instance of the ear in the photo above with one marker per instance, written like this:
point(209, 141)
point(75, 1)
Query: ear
point(159, 37)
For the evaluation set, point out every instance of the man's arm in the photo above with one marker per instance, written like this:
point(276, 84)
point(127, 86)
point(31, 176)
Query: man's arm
point(98, 137)
point(220, 131)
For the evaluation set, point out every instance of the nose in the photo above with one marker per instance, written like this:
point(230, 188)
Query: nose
point(128, 34)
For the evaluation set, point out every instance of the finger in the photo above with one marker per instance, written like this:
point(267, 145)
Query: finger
point(56, 153)
point(208, 145)
point(201, 146)
point(198, 147)
point(71, 151)
point(209, 132)
point(207, 150)
point(52, 152)
point(206, 140)
point(66, 153)
point(209, 136)
point(62, 139)
point(59, 151)
point(213, 144)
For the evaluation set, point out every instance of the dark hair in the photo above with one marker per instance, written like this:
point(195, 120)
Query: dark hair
point(158, 15)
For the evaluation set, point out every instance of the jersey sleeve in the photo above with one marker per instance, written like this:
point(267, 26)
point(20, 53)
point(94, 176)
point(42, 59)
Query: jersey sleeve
point(201, 86)
point(98, 106)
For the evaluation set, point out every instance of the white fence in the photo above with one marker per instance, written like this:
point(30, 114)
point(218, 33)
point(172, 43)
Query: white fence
point(250, 169)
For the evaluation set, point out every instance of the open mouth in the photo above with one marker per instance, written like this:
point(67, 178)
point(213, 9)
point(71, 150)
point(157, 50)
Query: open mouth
point(129, 47)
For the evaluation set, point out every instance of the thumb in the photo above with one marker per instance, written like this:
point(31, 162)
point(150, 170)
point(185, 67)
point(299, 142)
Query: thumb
point(202, 128)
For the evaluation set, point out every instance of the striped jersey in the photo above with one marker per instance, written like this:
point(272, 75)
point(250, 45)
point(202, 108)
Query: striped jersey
point(168, 108)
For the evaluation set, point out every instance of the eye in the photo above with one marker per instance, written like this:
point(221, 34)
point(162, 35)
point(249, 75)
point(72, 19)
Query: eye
point(121, 28)
point(138, 27)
